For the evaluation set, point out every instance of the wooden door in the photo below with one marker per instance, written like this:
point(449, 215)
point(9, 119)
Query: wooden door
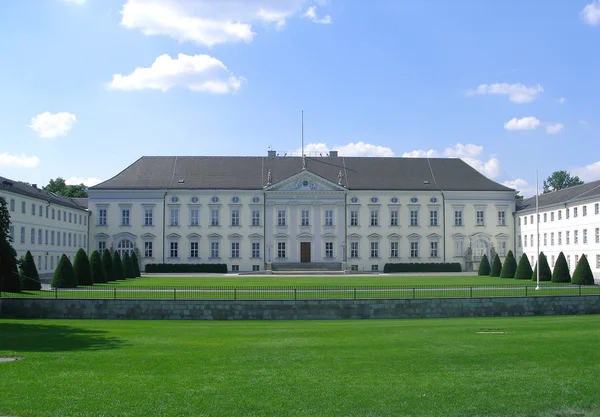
point(305, 252)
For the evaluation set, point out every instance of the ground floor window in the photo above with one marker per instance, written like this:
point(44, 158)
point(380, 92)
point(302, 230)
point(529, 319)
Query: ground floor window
point(354, 250)
point(374, 249)
point(235, 268)
point(414, 249)
point(281, 249)
point(174, 249)
point(354, 267)
point(256, 267)
point(393, 249)
point(125, 246)
point(193, 249)
point(374, 268)
point(148, 250)
point(329, 249)
point(214, 249)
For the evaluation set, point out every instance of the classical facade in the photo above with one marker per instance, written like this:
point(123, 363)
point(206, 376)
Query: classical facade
point(44, 223)
point(569, 221)
point(353, 213)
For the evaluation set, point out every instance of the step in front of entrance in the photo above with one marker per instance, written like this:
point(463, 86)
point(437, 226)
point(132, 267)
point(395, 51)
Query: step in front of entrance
point(306, 266)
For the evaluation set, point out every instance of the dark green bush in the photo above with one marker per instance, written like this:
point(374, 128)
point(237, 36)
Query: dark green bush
point(30, 279)
point(484, 266)
point(82, 269)
point(177, 268)
point(545, 272)
point(136, 265)
point(510, 266)
point(496, 269)
point(107, 263)
point(561, 270)
point(583, 273)
point(524, 270)
point(422, 267)
point(127, 266)
point(98, 272)
point(64, 276)
point(118, 268)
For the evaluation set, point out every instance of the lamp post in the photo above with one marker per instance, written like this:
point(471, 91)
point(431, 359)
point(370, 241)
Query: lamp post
point(269, 246)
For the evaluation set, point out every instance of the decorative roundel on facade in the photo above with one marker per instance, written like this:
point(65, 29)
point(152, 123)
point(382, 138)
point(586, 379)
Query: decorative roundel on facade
point(305, 183)
point(433, 200)
point(394, 199)
point(194, 199)
point(354, 200)
point(414, 200)
point(174, 199)
point(255, 199)
point(374, 200)
point(235, 200)
point(215, 199)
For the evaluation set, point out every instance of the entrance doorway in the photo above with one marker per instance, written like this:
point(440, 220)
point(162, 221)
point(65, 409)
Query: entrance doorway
point(305, 252)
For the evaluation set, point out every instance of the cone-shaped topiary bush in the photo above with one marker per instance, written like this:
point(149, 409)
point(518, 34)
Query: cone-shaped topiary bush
point(30, 279)
point(97, 268)
point(510, 266)
point(484, 266)
point(524, 270)
point(583, 273)
point(127, 266)
point(135, 264)
point(561, 270)
point(64, 276)
point(118, 269)
point(545, 272)
point(82, 269)
point(108, 266)
point(496, 267)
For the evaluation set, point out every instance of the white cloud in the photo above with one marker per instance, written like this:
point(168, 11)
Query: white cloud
point(463, 151)
point(351, 149)
point(20, 161)
point(589, 172)
point(48, 125)
point(88, 182)
point(555, 129)
point(78, 2)
point(525, 123)
point(418, 153)
point(489, 168)
point(207, 22)
point(311, 13)
point(195, 72)
point(522, 186)
point(561, 100)
point(518, 93)
point(591, 13)
point(584, 123)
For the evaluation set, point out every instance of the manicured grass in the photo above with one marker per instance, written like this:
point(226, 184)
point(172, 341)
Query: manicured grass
point(542, 366)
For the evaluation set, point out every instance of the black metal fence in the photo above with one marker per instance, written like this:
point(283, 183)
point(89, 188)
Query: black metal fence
point(305, 292)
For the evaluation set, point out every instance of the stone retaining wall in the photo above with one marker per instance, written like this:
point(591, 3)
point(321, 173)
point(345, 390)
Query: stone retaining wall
point(300, 309)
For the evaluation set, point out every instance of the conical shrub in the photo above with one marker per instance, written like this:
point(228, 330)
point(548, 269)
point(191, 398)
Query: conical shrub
point(30, 279)
point(82, 269)
point(118, 269)
point(108, 266)
point(561, 270)
point(64, 276)
point(583, 273)
point(510, 266)
point(524, 270)
point(9, 268)
point(97, 268)
point(545, 272)
point(484, 266)
point(496, 267)
point(135, 264)
point(127, 266)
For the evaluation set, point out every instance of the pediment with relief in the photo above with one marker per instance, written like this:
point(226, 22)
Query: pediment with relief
point(305, 181)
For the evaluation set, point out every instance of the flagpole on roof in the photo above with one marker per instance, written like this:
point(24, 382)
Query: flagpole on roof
point(537, 228)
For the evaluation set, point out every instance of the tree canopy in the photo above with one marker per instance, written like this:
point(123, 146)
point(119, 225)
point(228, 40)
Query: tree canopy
point(560, 180)
point(58, 186)
point(9, 272)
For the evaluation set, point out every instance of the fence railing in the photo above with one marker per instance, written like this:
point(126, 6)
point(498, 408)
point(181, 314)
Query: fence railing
point(305, 292)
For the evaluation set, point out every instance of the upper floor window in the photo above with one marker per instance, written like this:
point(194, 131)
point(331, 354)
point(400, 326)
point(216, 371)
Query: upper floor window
point(480, 218)
point(174, 217)
point(545, 217)
point(433, 218)
point(414, 217)
point(215, 219)
point(374, 217)
point(148, 216)
point(59, 214)
point(353, 217)
point(235, 217)
point(33, 206)
point(32, 236)
point(458, 218)
point(22, 235)
point(584, 211)
point(502, 218)
point(575, 236)
point(567, 212)
point(585, 236)
point(281, 218)
point(255, 217)
point(194, 217)
point(124, 217)
point(597, 208)
point(23, 205)
point(70, 217)
point(394, 218)
point(12, 204)
point(101, 216)
point(552, 216)
point(559, 212)
point(305, 218)
point(328, 217)
point(574, 211)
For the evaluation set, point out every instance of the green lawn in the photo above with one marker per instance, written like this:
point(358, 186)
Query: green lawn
point(542, 366)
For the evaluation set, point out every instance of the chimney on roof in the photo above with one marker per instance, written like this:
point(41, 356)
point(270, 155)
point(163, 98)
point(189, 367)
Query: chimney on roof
point(333, 154)
point(34, 185)
point(271, 154)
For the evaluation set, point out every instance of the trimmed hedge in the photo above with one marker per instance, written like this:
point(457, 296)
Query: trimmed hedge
point(9, 267)
point(30, 280)
point(64, 276)
point(127, 266)
point(108, 266)
point(561, 270)
point(545, 272)
point(98, 272)
point(135, 264)
point(82, 269)
point(118, 269)
point(496, 267)
point(583, 273)
point(524, 270)
point(422, 267)
point(510, 266)
point(176, 268)
point(484, 266)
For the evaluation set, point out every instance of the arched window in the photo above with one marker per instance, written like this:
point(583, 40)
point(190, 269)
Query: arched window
point(125, 246)
point(481, 248)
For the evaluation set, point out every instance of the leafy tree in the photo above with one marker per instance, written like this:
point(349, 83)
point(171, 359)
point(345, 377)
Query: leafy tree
point(127, 266)
point(524, 270)
point(30, 279)
point(518, 196)
point(82, 268)
point(108, 266)
point(484, 266)
point(496, 267)
point(9, 271)
point(58, 186)
point(583, 273)
point(135, 264)
point(118, 268)
point(560, 180)
point(510, 266)
point(97, 268)
point(64, 276)
point(561, 270)
point(545, 272)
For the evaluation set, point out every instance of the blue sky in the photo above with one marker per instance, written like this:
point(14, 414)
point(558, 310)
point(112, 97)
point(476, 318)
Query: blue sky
point(89, 86)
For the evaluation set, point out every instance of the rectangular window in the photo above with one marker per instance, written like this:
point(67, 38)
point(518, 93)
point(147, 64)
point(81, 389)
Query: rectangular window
point(532, 242)
point(194, 217)
point(433, 218)
point(235, 217)
point(545, 239)
point(394, 218)
point(559, 212)
point(525, 241)
point(597, 261)
point(51, 262)
point(374, 268)
point(329, 249)
point(255, 268)
point(33, 209)
point(235, 268)
point(84, 221)
point(214, 249)
point(374, 217)
point(64, 238)
point(480, 218)
point(394, 250)
point(23, 207)
point(458, 218)
point(502, 218)
point(40, 236)
point(148, 249)
point(12, 204)
point(215, 217)
point(80, 219)
point(148, 216)
point(552, 239)
point(70, 217)
point(584, 236)
point(32, 236)
point(520, 241)
point(193, 249)
point(52, 237)
point(255, 217)
point(281, 218)
point(174, 217)
point(374, 249)
point(575, 236)
point(552, 263)
point(40, 211)
point(576, 259)
point(525, 220)
point(59, 214)
point(552, 216)
point(256, 249)
point(174, 250)
point(597, 235)
point(597, 208)
point(584, 211)
point(101, 217)
point(559, 238)
point(328, 217)
point(57, 238)
point(414, 249)
point(281, 249)
point(22, 235)
point(531, 219)
point(354, 218)
point(46, 237)
point(568, 237)
point(575, 214)
point(354, 249)
point(414, 218)
point(567, 213)
point(70, 239)
point(84, 241)
point(305, 218)
point(545, 217)
point(124, 217)
point(434, 249)
point(235, 249)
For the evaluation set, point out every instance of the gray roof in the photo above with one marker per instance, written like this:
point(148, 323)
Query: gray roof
point(250, 173)
point(567, 195)
point(34, 192)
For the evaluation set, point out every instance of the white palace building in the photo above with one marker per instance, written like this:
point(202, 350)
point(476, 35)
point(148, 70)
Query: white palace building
point(253, 213)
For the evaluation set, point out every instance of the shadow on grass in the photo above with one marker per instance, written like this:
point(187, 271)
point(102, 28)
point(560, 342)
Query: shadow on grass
point(24, 337)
